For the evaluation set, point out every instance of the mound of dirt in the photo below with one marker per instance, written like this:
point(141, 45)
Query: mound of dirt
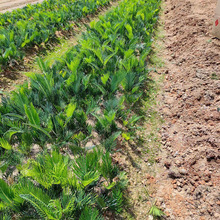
point(191, 109)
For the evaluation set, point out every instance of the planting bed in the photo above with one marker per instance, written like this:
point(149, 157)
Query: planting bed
point(15, 75)
point(58, 132)
point(39, 24)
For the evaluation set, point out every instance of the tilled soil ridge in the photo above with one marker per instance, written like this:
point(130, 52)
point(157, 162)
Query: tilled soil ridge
point(188, 187)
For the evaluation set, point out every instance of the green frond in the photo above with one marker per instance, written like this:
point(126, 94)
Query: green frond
point(82, 200)
point(32, 114)
point(68, 204)
point(86, 167)
point(4, 144)
point(25, 186)
point(108, 170)
point(42, 209)
point(90, 213)
point(48, 169)
point(6, 193)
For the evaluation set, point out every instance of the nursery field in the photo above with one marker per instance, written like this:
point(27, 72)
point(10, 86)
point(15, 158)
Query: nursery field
point(109, 110)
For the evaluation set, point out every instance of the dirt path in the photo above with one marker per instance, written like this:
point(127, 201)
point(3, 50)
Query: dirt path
point(9, 5)
point(188, 184)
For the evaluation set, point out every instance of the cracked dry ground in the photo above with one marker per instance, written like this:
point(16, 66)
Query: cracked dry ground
point(188, 185)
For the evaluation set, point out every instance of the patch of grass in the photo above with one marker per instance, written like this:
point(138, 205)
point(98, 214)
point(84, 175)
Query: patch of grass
point(158, 46)
point(214, 76)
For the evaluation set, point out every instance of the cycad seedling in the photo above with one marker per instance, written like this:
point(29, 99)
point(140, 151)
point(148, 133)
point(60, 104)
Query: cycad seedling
point(48, 170)
point(106, 125)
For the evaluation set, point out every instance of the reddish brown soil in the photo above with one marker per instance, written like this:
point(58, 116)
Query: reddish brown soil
point(188, 187)
point(9, 5)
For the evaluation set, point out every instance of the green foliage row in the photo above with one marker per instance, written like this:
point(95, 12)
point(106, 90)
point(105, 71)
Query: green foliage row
point(55, 187)
point(38, 23)
point(26, 13)
point(75, 111)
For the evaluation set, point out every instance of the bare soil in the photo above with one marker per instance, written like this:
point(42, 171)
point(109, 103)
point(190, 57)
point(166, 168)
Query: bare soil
point(9, 5)
point(188, 183)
